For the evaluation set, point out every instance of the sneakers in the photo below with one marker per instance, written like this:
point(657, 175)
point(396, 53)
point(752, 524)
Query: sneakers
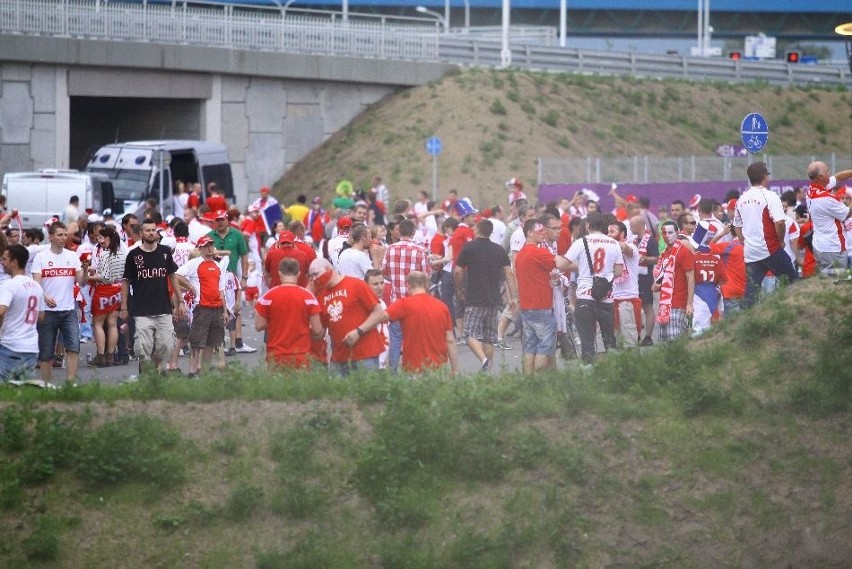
point(58, 360)
point(647, 341)
point(485, 365)
point(502, 345)
point(246, 349)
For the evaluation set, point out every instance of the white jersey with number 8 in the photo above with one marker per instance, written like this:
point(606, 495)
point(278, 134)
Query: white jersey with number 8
point(23, 299)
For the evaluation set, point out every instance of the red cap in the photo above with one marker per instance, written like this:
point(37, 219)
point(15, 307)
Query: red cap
point(631, 199)
point(209, 216)
point(287, 237)
point(487, 212)
point(345, 222)
point(204, 240)
point(693, 202)
point(221, 214)
point(264, 190)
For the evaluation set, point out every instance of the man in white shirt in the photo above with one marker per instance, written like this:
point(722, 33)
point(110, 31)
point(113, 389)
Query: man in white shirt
point(21, 307)
point(625, 289)
point(828, 213)
point(496, 218)
point(355, 261)
point(57, 270)
point(760, 223)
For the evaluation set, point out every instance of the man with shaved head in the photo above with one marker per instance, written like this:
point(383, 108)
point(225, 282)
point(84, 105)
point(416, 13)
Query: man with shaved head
point(828, 212)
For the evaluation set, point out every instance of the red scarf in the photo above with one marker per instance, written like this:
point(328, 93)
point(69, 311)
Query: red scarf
point(665, 269)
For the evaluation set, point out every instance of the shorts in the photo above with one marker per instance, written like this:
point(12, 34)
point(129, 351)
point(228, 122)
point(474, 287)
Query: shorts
point(539, 332)
point(252, 293)
point(64, 321)
point(208, 330)
point(182, 328)
point(106, 299)
point(645, 293)
point(675, 327)
point(16, 365)
point(155, 337)
point(480, 323)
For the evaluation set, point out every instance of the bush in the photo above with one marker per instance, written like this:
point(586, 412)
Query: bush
point(132, 448)
point(43, 543)
point(244, 501)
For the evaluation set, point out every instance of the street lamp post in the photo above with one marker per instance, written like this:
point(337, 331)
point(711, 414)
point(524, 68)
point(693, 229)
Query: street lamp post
point(505, 52)
point(436, 15)
point(845, 30)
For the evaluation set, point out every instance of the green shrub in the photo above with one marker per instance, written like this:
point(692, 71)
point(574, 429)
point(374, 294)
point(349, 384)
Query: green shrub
point(132, 448)
point(244, 502)
point(551, 118)
point(43, 543)
point(497, 107)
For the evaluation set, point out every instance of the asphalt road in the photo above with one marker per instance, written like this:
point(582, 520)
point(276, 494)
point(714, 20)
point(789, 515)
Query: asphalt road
point(504, 360)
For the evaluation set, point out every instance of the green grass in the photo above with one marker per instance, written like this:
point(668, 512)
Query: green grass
point(648, 459)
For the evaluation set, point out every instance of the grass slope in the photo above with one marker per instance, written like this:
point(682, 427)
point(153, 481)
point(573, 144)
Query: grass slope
point(496, 124)
point(726, 451)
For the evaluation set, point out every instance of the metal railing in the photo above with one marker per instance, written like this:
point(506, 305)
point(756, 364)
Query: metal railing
point(543, 58)
point(289, 30)
point(295, 30)
point(654, 170)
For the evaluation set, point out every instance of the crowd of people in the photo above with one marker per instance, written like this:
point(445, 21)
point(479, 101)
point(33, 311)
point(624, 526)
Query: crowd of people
point(366, 284)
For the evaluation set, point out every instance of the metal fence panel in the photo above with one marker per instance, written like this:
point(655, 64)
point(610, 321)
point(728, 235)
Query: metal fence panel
point(659, 170)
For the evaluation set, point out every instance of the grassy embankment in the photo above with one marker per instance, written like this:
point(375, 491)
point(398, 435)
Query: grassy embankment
point(729, 450)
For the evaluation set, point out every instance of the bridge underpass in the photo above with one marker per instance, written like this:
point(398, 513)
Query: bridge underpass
point(96, 121)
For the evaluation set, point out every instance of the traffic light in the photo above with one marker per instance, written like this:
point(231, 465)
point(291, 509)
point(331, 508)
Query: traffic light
point(735, 55)
point(793, 57)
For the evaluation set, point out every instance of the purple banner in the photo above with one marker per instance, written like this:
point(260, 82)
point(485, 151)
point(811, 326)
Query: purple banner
point(659, 194)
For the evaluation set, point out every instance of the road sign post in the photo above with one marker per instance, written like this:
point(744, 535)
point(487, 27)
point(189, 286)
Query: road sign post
point(434, 147)
point(754, 132)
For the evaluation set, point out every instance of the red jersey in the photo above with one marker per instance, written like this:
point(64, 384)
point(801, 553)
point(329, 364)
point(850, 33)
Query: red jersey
point(277, 254)
point(287, 309)
point(194, 200)
point(731, 255)
point(708, 268)
point(684, 261)
point(425, 321)
point(309, 251)
point(344, 308)
point(436, 246)
point(809, 264)
point(217, 203)
point(461, 237)
point(532, 268)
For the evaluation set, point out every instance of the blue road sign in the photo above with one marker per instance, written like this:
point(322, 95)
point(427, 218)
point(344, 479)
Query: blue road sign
point(433, 145)
point(755, 132)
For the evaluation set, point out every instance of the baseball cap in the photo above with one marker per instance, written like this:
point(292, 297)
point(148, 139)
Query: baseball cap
point(264, 190)
point(221, 214)
point(704, 232)
point(345, 222)
point(208, 216)
point(316, 200)
point(631, 198)
point(515, 183)
point(253, 208)
point(287, 237)
point(204, 240)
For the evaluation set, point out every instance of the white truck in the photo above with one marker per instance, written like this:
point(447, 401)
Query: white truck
point(40, 195)
point(134, 170)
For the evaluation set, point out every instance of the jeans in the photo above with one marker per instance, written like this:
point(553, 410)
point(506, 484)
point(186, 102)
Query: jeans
point(56, 321)
point(16, 365)
point(448, 293)
point(781, 266)
point(343, 368)
point(539, 332)
point(587, 315)
point(395, 345)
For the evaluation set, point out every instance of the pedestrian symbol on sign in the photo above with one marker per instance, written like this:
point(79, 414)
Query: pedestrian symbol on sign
point(755, 132)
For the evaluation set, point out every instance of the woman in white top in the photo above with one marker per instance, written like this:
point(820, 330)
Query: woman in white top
point(179, 200)
point(106, 298)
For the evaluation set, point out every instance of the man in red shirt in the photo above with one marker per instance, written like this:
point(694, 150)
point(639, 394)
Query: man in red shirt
point(462, 235)
point(285, 249)
point(209, 316)
point(427, 329)
point(709, 274)
point(731, 255)
point(290, 314)
point(215, 200)
point(534, 265)
point(346, 303)
point(674, 278)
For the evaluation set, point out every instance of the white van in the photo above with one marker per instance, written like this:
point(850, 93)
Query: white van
point(38, 196)
point(134, 170)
